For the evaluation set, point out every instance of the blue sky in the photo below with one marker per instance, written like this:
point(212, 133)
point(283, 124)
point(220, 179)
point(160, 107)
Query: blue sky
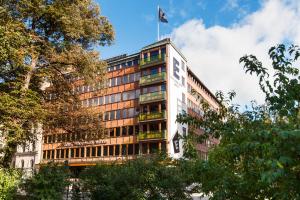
point(212, 34)
point(135, 21)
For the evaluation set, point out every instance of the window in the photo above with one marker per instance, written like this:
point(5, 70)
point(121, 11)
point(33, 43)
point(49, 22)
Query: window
point(119, 80)
point(118, 97)
point(72, 153)
point(99, 151)
point(117, 150)
point(88, 151)
point(130, 149)
point(182, 65)
point(125, 113)
point(124, 150)
point(111, 132)
point(67, 153)
point(131, 112)
point(183, 81)
point(82, 152)
point(57, 153)
point(124, 130)
point(93, 151)
point(105, 151)
point(118, 114)
point(22, 164)
point(125, 79)
point(130, 130)
point(77, 152)
point(111, 150)
point(183, 131)
point(117, 131)
point(137, 147)
point(183, 98)
point(112, 115)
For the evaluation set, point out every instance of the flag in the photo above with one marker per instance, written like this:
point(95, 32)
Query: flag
point(162, 16)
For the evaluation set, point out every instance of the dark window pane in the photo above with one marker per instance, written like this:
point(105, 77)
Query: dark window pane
point(130, 130)
point(117, 150)
point(88, 151)
point(111, 150)
point(82, 152)
point(77, 152)
point(124, 150)
point(137, 147)
point(117, 131)
point(99, 151)
point(124, 130)
point(93, 151)
point(72, 153)
point(67, 153)
point(105, 151)
point(130, 149)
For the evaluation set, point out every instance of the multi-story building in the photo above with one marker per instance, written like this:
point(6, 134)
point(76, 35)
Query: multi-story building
point(145, 92)
point(28, 155)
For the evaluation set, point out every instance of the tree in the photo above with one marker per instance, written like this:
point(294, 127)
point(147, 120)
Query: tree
point(258, 155)
point(46, 43)
point(143, 178)
point(9, 181)
point(49, 182)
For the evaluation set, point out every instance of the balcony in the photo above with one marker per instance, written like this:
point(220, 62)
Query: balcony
point(152, 116)
point(152, 79)
point(153, 60)
point(152, 97)
point(152, 135)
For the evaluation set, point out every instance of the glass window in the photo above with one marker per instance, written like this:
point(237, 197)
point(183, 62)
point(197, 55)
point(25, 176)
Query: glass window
point(182, 65)
point(72, 153)
point(137, 147)
point(131, 112)
point(112, 115)
point(129, 63)
point(100, 100)
point(107, 99)
point(124, 150)
point(112, 98)
point(153, 53)
point(136, 130)
point(118, 97)
point(67, 153)
point(106, 116)
point(124, 130)
point(163, 87)
point(125, 96)
point(77, 152)
point(111, 132)
point(154, 71)
point(119, 80)
point(163, 68)
point(117, 131)
point(125, 113)
point(118, 114)
point(183, 81)
point(82, 152)
point(131, 78)
point(95, 103)
point(105, 151)
point(125, 79)
point(117, 150)
point(135, 62)
point(130, 149)
point(130, 130)
point(137, 76)
point(93, 151)
point(88, 151)
point(111, 150)
point(99, 151)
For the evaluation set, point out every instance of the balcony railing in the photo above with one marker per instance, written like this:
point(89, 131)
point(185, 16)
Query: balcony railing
point(152, 60)
point(154, 78)
point(153, 97)
point(152, 116)
point(152, 135)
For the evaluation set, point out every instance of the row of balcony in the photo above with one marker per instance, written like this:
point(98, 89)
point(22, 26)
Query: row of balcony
point(152, 116)
point(152, 60)
point(153, 78)
point(152, 97)
point(152, 135)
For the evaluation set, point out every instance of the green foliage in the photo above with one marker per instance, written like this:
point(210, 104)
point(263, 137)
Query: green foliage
point(143, 178)
point(9, 181)
point(258, 155)
point(40, 42)
point(49, 182)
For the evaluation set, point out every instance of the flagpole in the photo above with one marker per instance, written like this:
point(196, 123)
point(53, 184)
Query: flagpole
point(157, 22)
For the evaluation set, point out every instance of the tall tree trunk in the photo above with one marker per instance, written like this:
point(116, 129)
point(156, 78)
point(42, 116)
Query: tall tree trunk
point(30, 73)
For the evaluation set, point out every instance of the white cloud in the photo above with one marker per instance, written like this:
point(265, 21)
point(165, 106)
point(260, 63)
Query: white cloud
point(213, 53)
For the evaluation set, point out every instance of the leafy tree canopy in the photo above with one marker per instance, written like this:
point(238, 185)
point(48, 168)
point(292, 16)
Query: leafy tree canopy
point(41, 41)
point(259, 152)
